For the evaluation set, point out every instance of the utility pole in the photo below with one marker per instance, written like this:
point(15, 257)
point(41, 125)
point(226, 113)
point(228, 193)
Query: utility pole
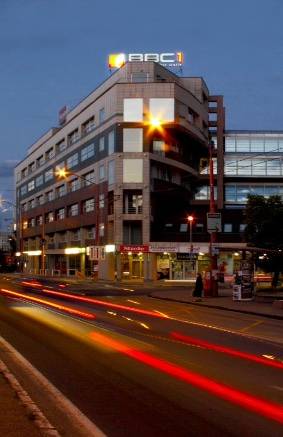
point(213, 284)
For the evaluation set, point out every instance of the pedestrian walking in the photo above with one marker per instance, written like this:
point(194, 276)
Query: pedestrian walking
point(198, 287)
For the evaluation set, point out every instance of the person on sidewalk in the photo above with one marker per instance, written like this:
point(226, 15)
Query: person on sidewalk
point(197, 293)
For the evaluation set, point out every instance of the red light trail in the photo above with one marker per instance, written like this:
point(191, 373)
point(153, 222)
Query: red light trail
point(260, 406)
point(50, 304)
point(225, 350)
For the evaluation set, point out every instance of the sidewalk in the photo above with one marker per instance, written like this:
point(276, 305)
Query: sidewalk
point(15, 420)
point(224, 301)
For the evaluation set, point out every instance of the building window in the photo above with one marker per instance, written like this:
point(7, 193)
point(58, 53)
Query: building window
point(61, 214)
point(162, 109)
point(183, 227)
point(49, 195)
point(133, 109)
point(61, 145)
point(101, 229)
point(242, 227)
point(101, 200)
point(73, 160)
point(40, 200)
point(75, 235)
point(23, 190)
point(39, 220)
point(87, 152)
point(88, 126)
point(111, 172)
point(101, 115)
point(50, 153)
point(90, 233)
point(74, 210)
point(132, 140)
point(31, 167)
point(101, 172)
point(61, 191)
point(111, 142)
point(31, 185)
point(242, 144)
point(132, 202)
point(50, 217)
point(227, 227)
point(88, 205)
point(39, 180)
point(74, 185)
point(73, 137)
point(24, 172)
point(158, 147)
point(32, 203)
point(48, 175)
point(101, 144)
point(89, 178)
point(40, 161)
point(132, 170)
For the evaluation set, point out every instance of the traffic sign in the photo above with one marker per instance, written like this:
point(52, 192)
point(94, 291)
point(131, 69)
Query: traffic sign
point(213, 222)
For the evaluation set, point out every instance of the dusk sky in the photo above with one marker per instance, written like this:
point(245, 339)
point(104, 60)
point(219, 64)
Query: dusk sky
point(54, 52)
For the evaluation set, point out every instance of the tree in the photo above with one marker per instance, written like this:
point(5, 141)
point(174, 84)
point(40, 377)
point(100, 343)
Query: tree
point(264, 219)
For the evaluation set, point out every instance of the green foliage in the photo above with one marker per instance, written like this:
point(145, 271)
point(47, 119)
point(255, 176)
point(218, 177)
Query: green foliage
point(264, 219)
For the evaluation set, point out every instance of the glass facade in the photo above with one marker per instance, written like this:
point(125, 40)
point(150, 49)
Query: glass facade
point(239, 193)
point(260, 166)
point(254, 143)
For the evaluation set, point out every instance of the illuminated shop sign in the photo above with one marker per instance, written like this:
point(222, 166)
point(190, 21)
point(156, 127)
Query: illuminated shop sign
point(117, 60)
point(134, 248)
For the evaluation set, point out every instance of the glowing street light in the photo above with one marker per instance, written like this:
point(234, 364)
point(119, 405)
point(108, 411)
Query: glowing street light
point(190, 220)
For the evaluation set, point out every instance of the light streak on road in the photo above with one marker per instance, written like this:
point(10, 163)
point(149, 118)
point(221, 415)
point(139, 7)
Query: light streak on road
point(72, 311)
point(225, 350)
point(106, 304)
point(245, 400)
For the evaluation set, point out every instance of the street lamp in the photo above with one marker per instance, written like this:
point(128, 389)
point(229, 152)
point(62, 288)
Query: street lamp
point(190, 220)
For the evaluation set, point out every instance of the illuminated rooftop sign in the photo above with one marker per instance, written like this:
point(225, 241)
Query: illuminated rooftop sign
point(117, 60)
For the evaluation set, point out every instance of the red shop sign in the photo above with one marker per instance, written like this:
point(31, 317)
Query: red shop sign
point(134, 248)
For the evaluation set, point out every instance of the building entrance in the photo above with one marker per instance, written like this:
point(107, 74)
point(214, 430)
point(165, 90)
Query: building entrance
point(132, 266)
point(182, 270)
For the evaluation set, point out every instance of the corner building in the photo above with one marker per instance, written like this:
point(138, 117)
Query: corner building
point(122, 211)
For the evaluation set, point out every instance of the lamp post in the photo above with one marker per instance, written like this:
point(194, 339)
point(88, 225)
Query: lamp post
point(213, 284)
point(190, 220)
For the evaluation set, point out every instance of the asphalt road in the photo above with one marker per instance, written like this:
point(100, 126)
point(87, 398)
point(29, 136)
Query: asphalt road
point(144, 367)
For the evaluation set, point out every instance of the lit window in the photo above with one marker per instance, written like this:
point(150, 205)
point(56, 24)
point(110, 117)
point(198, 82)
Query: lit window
point(39, 220)
point(101, 229)
point(90, 232)
point(50, 217)
point(132, 140)
point(183, 227)
point(242, 227)
point(31, 185)
point(133, 109)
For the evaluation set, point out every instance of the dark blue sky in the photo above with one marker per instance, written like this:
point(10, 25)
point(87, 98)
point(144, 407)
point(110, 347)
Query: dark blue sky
point(54, 52)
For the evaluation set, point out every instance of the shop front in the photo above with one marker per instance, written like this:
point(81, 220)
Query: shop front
point(132, 261)
point(178, 262)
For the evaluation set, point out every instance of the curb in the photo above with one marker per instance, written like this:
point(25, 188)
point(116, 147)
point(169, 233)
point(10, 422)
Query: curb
point(33, 413)
point(218, 307)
